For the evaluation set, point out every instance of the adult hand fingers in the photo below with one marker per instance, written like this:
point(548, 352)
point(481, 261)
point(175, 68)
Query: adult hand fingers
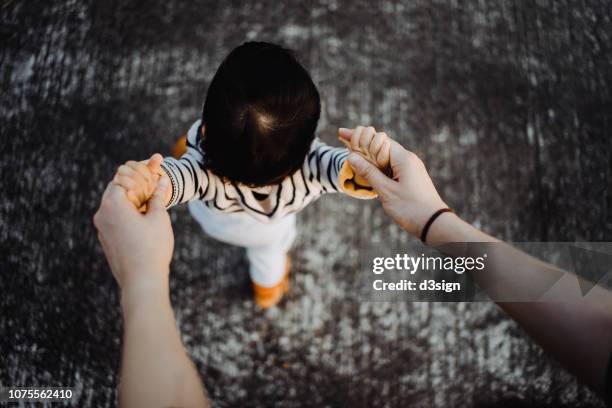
point(133, 198)
point(106, 190)
point(156, 203)
point(383, 156)
point(377, 179)
point(136, 180)
point(399, 159)
point(131, 187)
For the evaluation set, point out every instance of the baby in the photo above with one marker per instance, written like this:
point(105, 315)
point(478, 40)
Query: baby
point(252, 162)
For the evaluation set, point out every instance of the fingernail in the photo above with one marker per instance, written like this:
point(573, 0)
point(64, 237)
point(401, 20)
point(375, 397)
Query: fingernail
point(163, 182)
point(344, 130)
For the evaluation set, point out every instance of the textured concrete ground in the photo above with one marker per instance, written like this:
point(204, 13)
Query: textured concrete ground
point(509, 103)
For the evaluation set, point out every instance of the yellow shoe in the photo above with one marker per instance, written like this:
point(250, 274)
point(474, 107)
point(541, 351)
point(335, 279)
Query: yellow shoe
point(266, 297)
point(180, 147)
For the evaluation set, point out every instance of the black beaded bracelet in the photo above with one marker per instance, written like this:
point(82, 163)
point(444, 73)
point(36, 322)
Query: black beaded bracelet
point(430, 221)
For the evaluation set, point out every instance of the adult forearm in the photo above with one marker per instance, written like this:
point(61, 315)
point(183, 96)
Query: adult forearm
point(576, 329)
point(156, 370)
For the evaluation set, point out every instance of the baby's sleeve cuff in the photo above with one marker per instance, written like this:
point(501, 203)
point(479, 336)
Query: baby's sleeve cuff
point(166, 169)
point(353, 185)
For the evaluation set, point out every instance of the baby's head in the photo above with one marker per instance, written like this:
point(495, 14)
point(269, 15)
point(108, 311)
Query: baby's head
point(260, 115)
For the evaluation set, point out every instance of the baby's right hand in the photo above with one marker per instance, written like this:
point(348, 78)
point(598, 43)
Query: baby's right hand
point(398, 176)
point(368, 143)
point(139, 179)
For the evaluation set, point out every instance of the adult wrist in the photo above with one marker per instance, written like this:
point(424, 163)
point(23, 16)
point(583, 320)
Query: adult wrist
point(420, 214)
point(448, 227)
point(430, 221)
point(144, 291)
point(424, 216)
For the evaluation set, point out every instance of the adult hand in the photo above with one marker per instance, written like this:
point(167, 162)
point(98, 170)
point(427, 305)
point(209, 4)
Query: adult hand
point(408, 195)
point(410, 198)
point(138, 247)
point(155, 369)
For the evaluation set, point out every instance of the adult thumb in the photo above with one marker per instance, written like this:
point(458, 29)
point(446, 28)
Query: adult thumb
point(156, 203)
point(363, 168)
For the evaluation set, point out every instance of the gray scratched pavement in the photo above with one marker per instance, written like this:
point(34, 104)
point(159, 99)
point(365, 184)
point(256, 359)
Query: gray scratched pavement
point(509, 103)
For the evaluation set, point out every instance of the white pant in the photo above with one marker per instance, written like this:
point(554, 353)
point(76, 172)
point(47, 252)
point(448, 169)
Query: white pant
point(266, 244)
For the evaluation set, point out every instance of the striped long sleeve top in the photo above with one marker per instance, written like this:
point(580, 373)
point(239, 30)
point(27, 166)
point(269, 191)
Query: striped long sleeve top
point(325, 170)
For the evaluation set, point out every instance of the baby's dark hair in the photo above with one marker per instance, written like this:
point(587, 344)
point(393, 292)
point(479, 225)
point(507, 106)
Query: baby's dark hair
point(260, 115)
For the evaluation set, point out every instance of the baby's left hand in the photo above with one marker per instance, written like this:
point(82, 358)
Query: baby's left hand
point(139, 180)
